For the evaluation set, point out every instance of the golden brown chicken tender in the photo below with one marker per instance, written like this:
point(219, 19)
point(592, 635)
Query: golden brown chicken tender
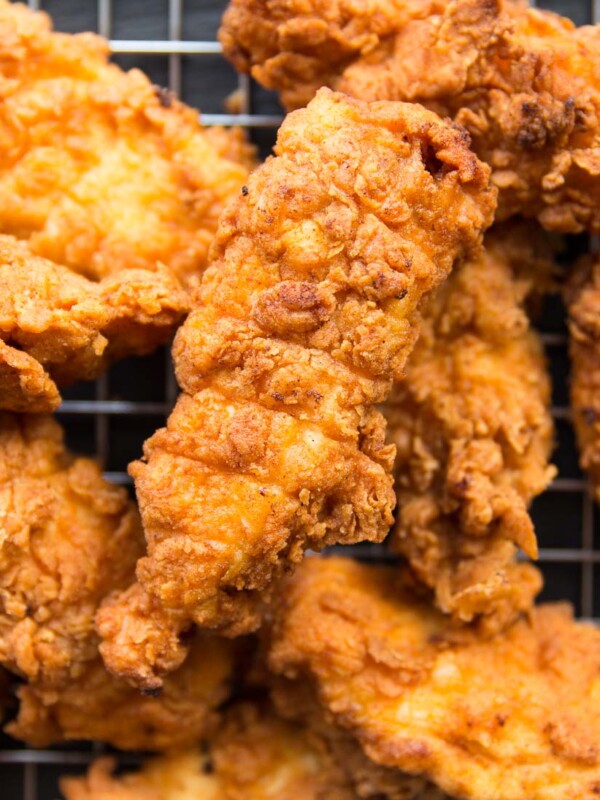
point(309, 308)
point(99, 170)
point(97, 706)
point(181, 776)
point(296, 701)
point(68, 539)
point(57, 327)
point(582, 297)
point(511, 717)
point(524, 82)
point(117, 186)
point(255, 756)
point(472, 427)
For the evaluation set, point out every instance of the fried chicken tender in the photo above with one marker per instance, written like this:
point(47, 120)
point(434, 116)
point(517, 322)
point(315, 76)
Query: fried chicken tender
point(99, 170)
point(297, 702)
point(57, 327)
point(309, 308)
point(255, 756)
point(98, 706)
point(69, 538)
point(524, 82)
point(582, 298)
point(504, 718)
point(472, 427)
point(116, 189)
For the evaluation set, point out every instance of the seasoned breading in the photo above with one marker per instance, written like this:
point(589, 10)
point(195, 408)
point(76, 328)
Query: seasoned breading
point(472, 427)
point(310, 306)
point(97, 706)
point(296, 700)
point(116, 188)
point(524, 82)
point(68, 539)
point(582, 297)
point(504, 718)
point(99, 170)
point(57, 327)
point(255, 756)
point(182, 776)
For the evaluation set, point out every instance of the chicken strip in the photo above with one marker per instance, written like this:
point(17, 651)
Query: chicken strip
point(524, 82)
point(296, 701)
point(582, 298)
point(99, 170)
point(97, 706)
point(117, 186)
point(504, 718)
point(69, 538)
point(472, 427)
point(57, 327)
point(309, 308)
point(255, 756)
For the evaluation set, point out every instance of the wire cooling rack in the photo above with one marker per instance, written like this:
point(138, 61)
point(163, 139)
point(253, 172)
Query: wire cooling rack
point(174, 41)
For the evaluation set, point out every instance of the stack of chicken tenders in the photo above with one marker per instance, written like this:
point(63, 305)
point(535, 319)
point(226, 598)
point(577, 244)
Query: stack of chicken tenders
point(358, 362)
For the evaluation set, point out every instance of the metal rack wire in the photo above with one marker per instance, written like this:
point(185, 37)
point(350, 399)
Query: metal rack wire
point(114, 417)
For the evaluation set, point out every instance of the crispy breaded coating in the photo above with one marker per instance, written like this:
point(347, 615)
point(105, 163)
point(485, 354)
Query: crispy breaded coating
point(68, 538)
point(310, 306)
point(504, 718)
point(57, 327)
point(181, 776)
point(255, 756)
point(117, 186)
point(524, 82)
point(473, 432)
point(582, 298)
point(97, 706)
point(99, 170)
point(296, 701)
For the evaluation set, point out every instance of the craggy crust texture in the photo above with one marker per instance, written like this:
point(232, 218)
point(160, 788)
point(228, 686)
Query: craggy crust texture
point(68, 539)
point(582, 298)
point(99, 707)
point(473, 433)
point(524, 82)
point(309, 308)
point(296, 701)
point(255, 756)
point(182, 776)
point(57, 327)
point(511, 717)
point(100, 170)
